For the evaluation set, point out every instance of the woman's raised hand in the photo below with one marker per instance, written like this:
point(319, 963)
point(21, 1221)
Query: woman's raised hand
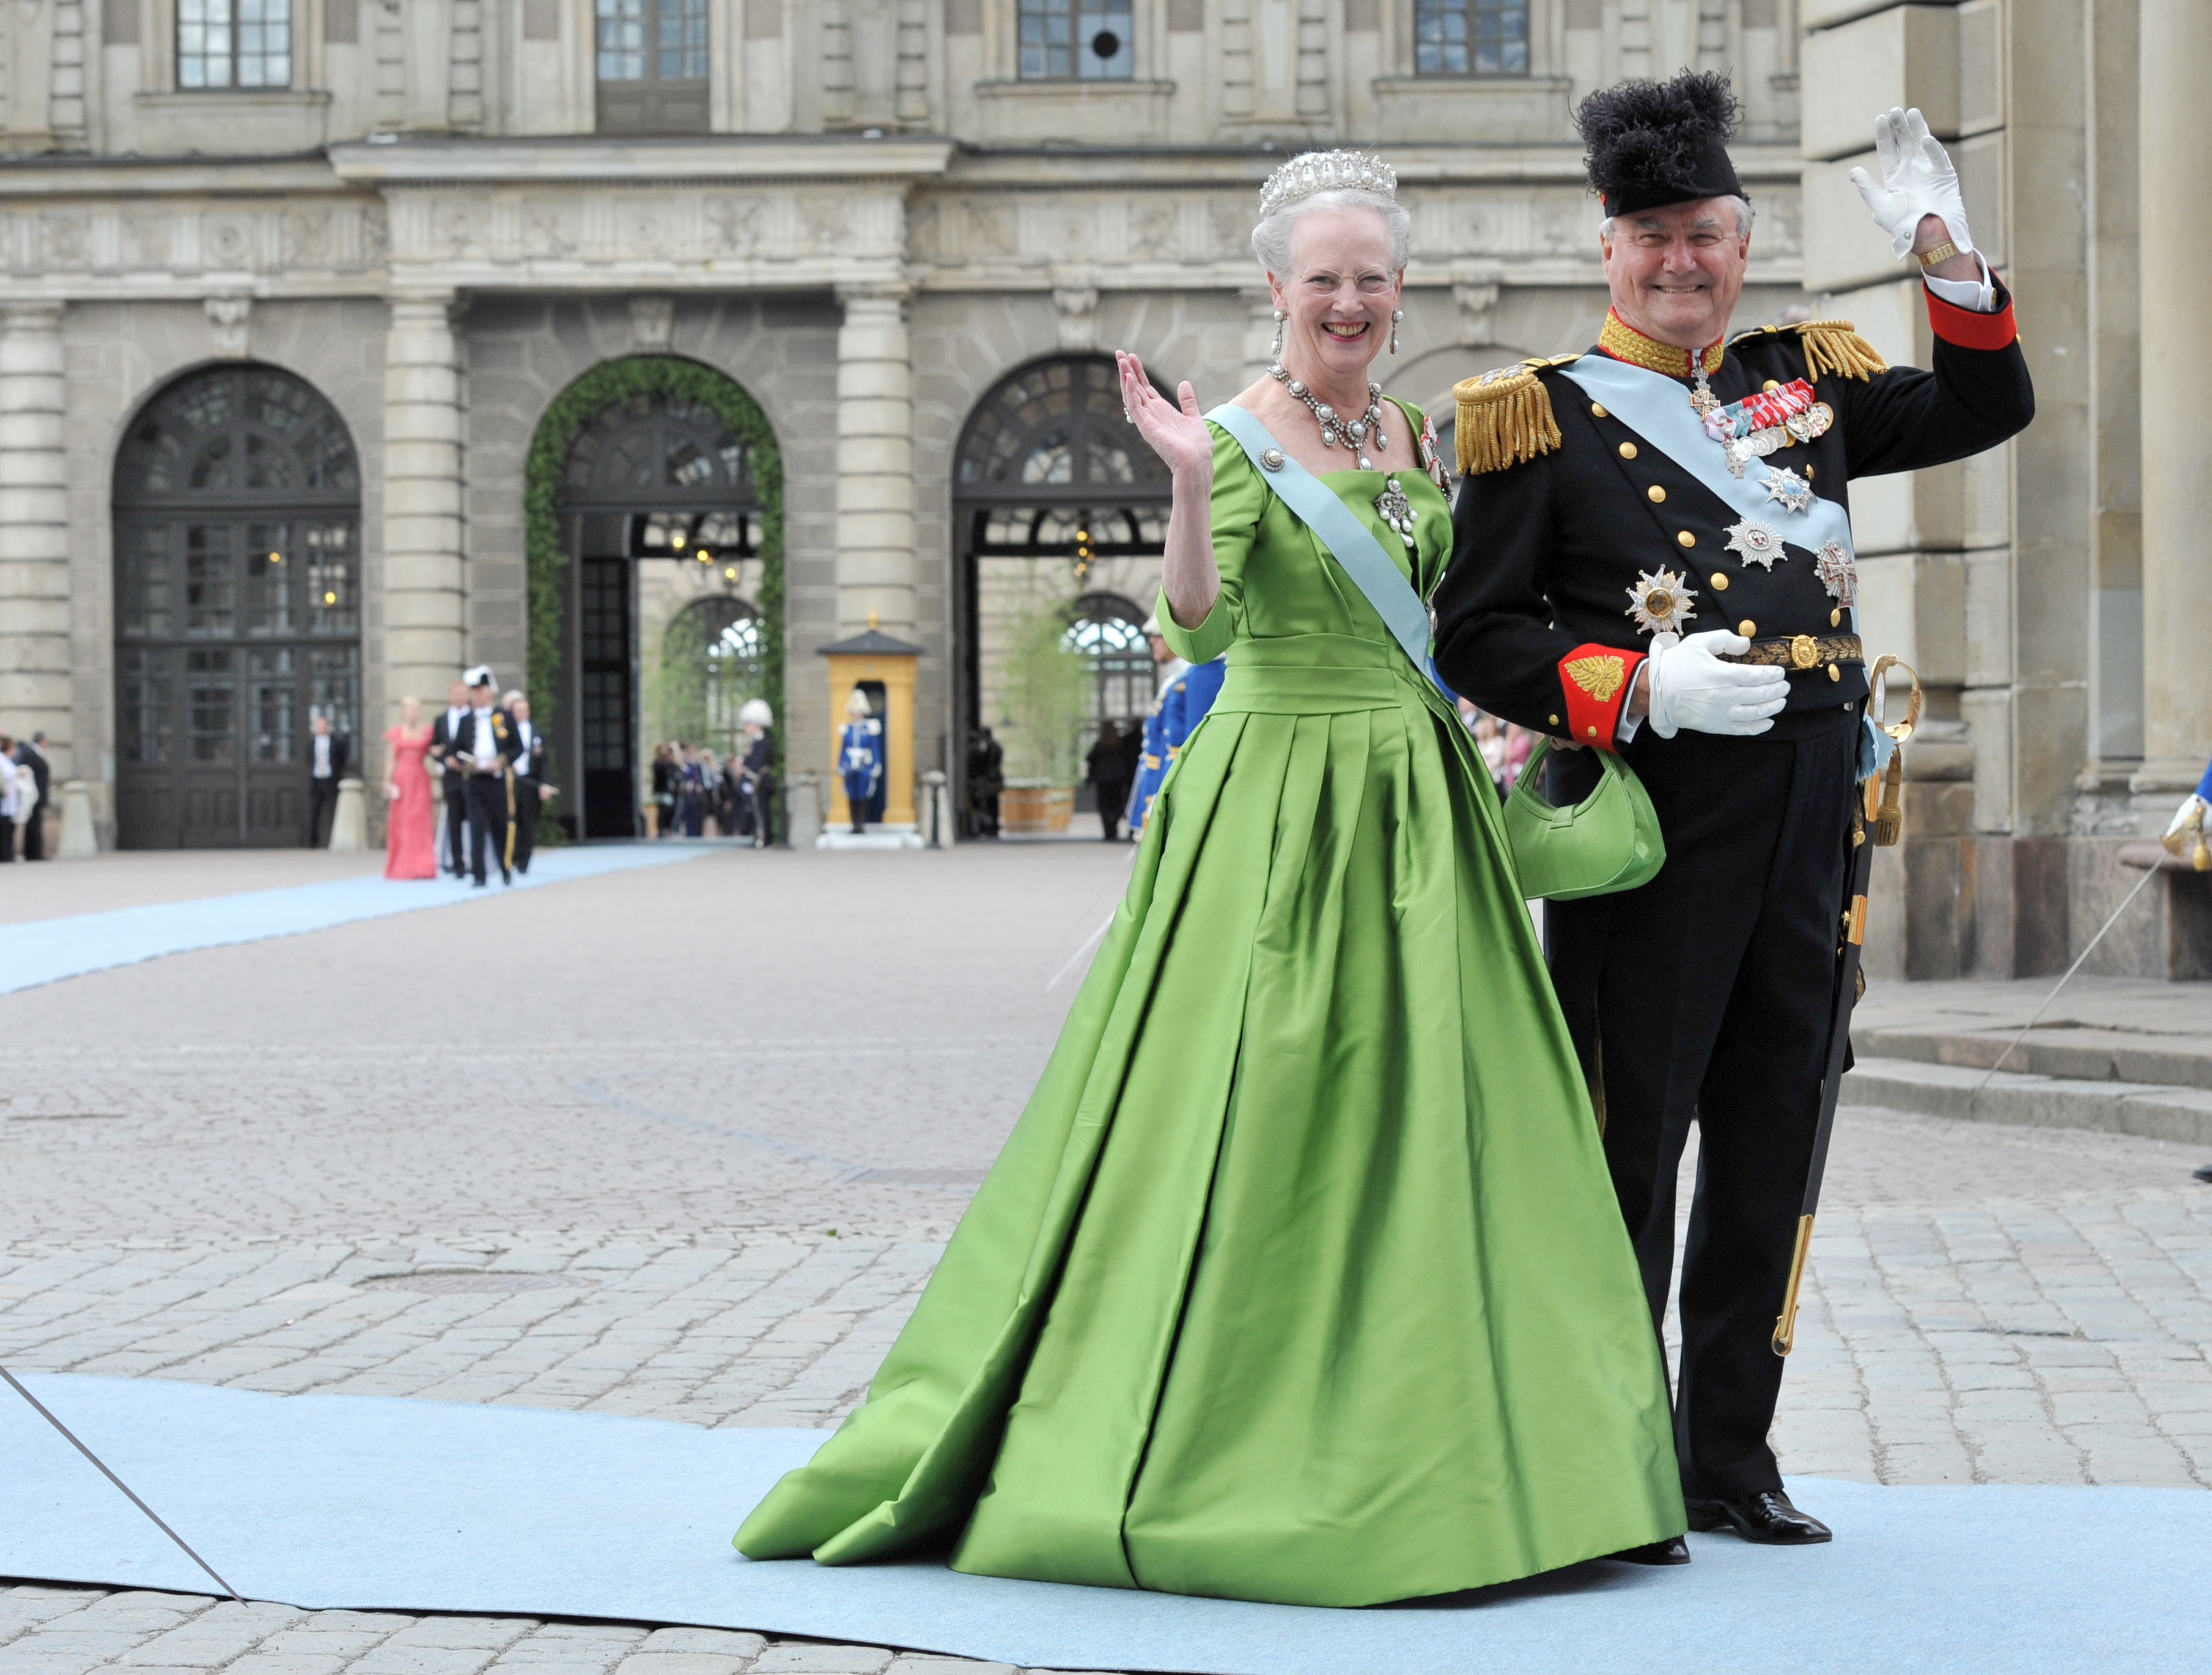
point(1175, 433)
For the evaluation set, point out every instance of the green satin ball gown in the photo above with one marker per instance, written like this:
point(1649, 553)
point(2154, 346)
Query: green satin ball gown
point(1300, 1277)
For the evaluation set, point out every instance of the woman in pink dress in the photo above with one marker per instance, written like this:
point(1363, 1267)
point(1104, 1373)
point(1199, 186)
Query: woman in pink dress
point(410, 840)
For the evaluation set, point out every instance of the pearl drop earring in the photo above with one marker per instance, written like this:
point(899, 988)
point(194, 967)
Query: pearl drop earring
point(1275, 348)
point(1396, 314)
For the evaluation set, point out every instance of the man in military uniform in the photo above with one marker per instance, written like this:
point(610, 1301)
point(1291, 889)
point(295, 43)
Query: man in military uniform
point(1654, 557)
point(1187, 691)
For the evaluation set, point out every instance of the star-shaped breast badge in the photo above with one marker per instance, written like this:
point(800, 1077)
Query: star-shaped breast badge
point(1759, 542)
point(1792, 490)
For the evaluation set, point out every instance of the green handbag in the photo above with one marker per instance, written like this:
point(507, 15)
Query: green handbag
point(1608, 841)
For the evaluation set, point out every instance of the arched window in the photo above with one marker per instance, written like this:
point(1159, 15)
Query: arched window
point(709, 665)
point(1056, 498)
point(237, 506)
point(1108, 632)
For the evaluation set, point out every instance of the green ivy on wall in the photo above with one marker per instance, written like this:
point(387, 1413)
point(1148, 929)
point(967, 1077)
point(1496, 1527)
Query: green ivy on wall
point(613, 382)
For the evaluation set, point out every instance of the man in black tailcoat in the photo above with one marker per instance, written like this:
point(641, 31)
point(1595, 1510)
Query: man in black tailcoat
point(533, 779)
point(1654, 557)
point(31, 755)
point(453, 784)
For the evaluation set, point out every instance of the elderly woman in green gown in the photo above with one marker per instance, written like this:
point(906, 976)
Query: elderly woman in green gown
point(1299, 1279)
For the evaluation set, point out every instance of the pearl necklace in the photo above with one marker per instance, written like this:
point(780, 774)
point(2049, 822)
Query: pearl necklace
point(1358, 432)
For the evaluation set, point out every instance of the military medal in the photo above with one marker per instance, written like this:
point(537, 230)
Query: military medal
point(1759, 543)
point(1839, 573)
point(1660, 604)
point(1792, 490)
point(1392, 507)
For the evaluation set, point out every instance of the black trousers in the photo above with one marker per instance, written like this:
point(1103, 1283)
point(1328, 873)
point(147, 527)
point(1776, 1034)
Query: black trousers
point(322, 810)
point(1113, 804)
point(527, 802)
point(34, 833)
point(487, 801)
point(455, 786)
point(1707, 996)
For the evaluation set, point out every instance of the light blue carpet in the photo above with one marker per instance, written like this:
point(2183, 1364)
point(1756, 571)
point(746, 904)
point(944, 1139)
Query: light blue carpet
point(385, 1503)
point(46, 950)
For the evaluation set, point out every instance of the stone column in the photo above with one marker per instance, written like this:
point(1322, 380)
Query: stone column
point(34, 548)
point(2177, 369)
point(425, 623)
point(875, 463)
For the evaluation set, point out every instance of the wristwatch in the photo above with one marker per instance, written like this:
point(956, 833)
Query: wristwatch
point(1931, 260)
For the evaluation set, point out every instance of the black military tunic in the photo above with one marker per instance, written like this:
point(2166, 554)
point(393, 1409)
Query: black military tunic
point(1707, 994)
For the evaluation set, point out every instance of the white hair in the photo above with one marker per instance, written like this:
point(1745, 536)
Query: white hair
point(1271, 238)
point(1744, 215)
point(756, 712)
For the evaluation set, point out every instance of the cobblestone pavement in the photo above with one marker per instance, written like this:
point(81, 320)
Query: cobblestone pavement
point(685, 1142)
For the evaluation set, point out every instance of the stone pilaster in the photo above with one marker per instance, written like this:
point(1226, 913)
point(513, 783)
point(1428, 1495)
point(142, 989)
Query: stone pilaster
point(424, 616)
point(34, 582)
point(2176, 141)
point(875, 463)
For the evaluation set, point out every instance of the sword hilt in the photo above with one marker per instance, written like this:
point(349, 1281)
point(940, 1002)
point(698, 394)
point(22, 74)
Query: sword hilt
point(1785, 1328)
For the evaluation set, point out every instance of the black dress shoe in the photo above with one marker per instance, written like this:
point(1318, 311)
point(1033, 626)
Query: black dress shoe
point(1764, 1516)
point(1673, 1550)
point(2202, 1171)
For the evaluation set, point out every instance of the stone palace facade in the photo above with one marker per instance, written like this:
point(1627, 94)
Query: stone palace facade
point(642, 347)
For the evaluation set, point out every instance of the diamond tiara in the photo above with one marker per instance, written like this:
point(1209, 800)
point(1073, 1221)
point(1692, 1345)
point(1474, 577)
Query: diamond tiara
point(1326, 171)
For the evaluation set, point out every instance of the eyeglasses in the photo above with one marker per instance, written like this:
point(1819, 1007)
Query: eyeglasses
point(1328, 284)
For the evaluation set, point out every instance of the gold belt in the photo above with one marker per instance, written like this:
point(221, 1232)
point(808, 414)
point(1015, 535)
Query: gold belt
point(1801, 650)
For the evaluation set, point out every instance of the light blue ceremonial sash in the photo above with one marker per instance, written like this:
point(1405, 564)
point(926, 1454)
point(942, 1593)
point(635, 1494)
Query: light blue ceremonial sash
point(1350, 542)
point(1657, 409)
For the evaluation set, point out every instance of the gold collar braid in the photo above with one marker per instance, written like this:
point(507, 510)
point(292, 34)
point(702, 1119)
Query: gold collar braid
point(1624, 343)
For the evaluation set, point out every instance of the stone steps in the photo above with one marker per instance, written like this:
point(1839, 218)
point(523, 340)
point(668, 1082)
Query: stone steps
point(2153, 1110)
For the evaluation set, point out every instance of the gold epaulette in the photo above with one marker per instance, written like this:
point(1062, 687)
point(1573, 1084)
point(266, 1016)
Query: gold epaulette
point(1505, 417)
point(1830, 346)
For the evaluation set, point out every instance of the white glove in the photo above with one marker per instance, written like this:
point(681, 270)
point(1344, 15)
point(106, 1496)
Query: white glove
point(2190, 805)
point(1916, 179)
point(1691, 688)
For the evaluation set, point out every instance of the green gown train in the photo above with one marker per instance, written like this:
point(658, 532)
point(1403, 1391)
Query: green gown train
point(1300, 1277)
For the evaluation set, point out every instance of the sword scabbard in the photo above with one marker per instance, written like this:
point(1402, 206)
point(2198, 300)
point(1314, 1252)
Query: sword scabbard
point(1785, 1328)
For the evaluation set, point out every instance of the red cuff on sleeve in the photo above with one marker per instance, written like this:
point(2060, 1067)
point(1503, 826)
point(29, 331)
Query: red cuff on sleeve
point(1595, 680)
point(1968, 328)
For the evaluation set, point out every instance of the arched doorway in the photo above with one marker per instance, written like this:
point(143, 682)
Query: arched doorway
point(237, 513)
point(655, 500)
point(1057, 504)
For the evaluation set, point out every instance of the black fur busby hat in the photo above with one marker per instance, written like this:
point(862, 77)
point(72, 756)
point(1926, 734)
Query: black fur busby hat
point(1653, 143)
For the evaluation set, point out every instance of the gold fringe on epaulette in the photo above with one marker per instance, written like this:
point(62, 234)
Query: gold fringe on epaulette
point(1504, 417)
point(1835, 346)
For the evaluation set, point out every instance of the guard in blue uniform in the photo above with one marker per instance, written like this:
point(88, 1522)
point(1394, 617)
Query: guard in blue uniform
point(1186, 693)
point(860, 757)
point(1654, 557)
point(1152, 765)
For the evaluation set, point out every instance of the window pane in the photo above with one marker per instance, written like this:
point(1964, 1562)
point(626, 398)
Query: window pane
point(1463, 37)
point(333, 581)
point(621, 40)
point(274, 690)
point(1048, 39)
point(1103, 33)
point(210, 581)
point(211, 706)
point(683, 40)
point(272, 579)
